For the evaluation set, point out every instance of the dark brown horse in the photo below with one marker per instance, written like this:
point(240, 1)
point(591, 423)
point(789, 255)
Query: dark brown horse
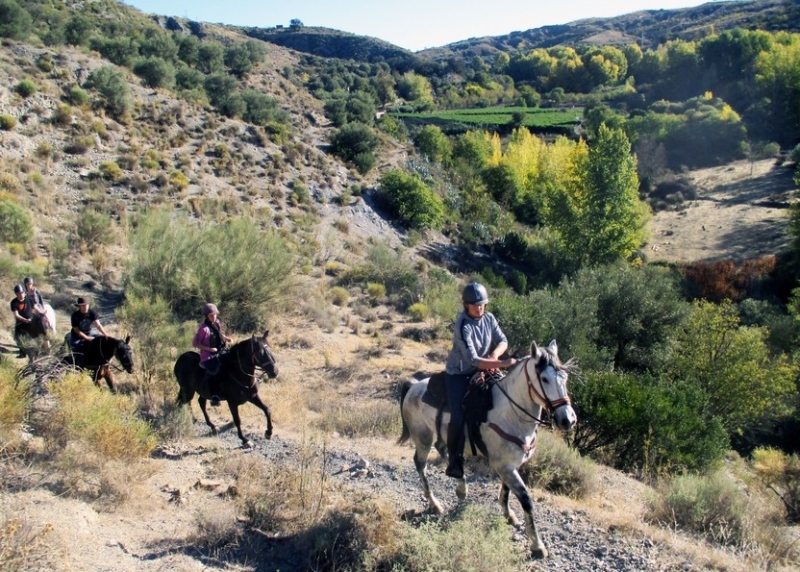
point(95, 356)
point(236, 379)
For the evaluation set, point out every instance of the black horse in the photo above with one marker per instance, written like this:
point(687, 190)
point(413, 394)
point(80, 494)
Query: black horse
point(236, 379)
point(95, 356)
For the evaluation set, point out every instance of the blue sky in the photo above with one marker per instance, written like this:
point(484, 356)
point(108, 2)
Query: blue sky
point(411, 24)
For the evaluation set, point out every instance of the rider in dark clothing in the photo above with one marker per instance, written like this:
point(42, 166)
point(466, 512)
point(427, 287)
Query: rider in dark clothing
point(82, 321)
point(478, 343)
point(22, 309)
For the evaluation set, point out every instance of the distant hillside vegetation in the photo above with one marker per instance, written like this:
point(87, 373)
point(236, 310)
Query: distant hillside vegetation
point(329, 43)
point(648, 28)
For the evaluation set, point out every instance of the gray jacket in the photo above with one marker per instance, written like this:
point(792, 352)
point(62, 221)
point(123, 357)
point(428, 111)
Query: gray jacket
point(472, 340)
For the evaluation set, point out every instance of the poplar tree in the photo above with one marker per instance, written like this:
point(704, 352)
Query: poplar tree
point(597, 213)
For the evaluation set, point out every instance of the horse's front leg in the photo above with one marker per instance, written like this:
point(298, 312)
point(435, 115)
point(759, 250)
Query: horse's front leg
point(256, 400)
point(512, 480)
point(202, 401)
point(238, 422)
point(109, 377)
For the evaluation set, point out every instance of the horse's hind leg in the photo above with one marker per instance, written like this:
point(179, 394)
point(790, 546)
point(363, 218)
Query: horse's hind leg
point(256, 400)
point(202, 401)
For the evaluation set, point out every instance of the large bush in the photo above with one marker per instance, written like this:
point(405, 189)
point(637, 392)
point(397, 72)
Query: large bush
point(16, 224)
point(113, 88)
point(15, 21)
point(242, 269)
point(412, 202)
point(646, 425)
point(354, 140)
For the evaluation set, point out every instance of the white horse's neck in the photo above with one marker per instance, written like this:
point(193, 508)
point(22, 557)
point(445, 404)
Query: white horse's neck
point(523, 411)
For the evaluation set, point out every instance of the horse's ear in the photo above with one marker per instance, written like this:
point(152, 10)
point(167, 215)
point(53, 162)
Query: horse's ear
point(536, 351)
point(553, 347)
point(127, 339)
point(266, 334)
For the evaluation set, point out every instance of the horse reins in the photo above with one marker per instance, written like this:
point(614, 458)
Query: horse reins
point(256, 364)
point(550, 406)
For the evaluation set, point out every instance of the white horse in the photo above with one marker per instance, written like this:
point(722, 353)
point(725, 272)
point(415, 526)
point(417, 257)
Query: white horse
point(537, 383)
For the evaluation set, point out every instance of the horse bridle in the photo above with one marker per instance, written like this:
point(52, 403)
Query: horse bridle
point(255, 362)
point(550, 406)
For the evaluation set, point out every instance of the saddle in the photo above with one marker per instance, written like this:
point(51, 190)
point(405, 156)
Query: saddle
point(477, 403)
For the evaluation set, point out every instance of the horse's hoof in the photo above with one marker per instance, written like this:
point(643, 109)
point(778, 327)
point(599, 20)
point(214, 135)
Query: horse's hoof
point(539, 553)
point(214, 431)
point(268, 434)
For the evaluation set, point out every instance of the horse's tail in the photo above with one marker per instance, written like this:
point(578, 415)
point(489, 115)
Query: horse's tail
point(406, 434)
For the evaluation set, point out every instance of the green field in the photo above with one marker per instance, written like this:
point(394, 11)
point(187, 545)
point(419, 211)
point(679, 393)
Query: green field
point(539, 119)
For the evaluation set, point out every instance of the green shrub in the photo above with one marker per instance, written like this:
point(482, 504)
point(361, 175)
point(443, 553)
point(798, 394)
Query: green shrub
point(62, 116)
point(392, 270)
point(105, 423)
point(468, 539)
point(339, 296)
point(710, 506)
point(419, 312)
point(148, 320)
point(155, 72)
point(16, 224)
point(76, 96)
point(178, 181)
point(646, 425)
point(412, 202)
point(559, 469)
point(93, 229)
point(15, 22)
point(113, 88)
point(110, 171)
point(376, 291)
point(25, 88)
point(7, 122)
point(355, 140)
point(187, 265)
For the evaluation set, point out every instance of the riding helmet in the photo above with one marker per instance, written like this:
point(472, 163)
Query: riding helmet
point(19, 288)
point(209, 308)
point(28, 280)
point(475, 293)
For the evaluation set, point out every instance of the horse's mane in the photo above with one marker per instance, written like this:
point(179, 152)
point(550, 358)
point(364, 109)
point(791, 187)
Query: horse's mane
point(551, 358)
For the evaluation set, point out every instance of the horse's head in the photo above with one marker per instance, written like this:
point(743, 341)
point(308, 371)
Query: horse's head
point(124, 354)
point(551, 376)
point(263, 356)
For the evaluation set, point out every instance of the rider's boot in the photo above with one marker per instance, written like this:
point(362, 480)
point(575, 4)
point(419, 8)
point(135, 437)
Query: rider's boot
point(455, 451)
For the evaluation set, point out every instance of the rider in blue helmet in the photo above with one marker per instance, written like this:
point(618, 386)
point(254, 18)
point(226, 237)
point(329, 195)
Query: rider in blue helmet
point(478, 343)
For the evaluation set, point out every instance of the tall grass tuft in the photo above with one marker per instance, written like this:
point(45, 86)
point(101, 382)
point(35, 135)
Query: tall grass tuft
point(353, 419)
point(712, 507)
point(559, 469)
point(101, 421)
point(25, 549)
point(469, 540)
point(14, 405)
